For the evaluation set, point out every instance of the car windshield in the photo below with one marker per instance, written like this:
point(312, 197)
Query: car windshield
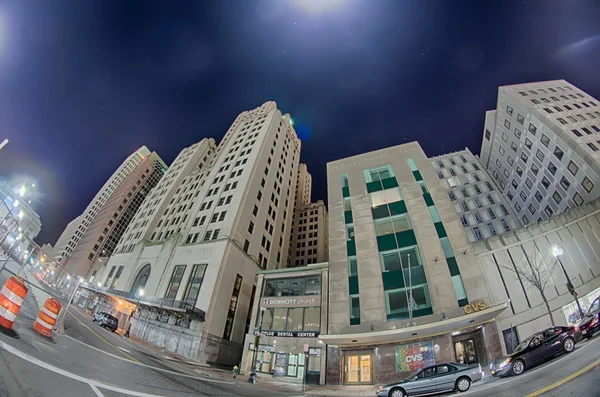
point(595, 306)
point(522, 345)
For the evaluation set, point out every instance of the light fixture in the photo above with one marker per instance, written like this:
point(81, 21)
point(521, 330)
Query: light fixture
point(557, 251)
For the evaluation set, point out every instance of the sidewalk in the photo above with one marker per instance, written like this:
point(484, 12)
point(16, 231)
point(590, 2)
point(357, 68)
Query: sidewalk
point(345, 391)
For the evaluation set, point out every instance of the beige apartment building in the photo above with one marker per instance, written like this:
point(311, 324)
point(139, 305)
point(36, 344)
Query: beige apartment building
point(190, 255)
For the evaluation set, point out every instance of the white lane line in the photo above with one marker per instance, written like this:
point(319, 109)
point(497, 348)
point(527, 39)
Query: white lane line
point(527, 373)
point(95, 389)
point(68, 374)
point(125, 350)
point(148, 366)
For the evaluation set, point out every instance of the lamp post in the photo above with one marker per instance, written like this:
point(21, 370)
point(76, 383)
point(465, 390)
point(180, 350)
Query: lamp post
point(557, 252)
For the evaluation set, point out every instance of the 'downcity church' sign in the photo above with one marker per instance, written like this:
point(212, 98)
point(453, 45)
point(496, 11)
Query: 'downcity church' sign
point(291, 301)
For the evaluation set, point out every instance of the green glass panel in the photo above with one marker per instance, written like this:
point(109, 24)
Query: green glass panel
point(389, 183)
point(348, 216)
point(386, 242)
point(380, 212)
point(406, 238)
point(428, 199)
point(393, 280)
point(355, 321)
point(417, 313)
point(417, 275)
point(346, 191)
point(453, 266)
point(397, 207)
point(353, 285)
point(374, 186)
point(417, 175)
point(463, 302)
point(351, 247)
point(441, 231)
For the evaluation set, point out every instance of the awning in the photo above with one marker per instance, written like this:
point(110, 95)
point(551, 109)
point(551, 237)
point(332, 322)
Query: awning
point(417, 331)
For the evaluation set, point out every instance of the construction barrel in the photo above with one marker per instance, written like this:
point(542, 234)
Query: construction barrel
point(12, 296)
point(46, 319)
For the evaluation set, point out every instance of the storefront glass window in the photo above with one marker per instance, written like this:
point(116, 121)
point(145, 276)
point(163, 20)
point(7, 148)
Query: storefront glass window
point(298, 286)
point(312, 319)
point(295, 319)
point(267, 319)
point(279, 319)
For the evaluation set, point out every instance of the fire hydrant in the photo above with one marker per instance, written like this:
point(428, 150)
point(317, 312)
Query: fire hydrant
point(163, 348)
point(236, 371)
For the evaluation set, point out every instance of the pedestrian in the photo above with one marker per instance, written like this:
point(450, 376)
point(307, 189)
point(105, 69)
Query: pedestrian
point(236, 370)
point(127, 332)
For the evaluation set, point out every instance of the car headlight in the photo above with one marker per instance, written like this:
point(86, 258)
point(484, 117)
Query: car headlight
point(380, 388)
point(504, 363)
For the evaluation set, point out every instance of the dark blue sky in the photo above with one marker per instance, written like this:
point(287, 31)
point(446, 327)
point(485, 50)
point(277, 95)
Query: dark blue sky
point(84, 83)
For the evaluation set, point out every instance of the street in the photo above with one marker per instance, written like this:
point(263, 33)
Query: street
point(91, 361)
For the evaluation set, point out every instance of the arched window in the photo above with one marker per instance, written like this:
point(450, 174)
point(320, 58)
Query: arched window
point(141, 279)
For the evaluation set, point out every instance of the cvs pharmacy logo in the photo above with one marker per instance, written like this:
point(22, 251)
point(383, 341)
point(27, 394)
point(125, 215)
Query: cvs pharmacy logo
point(414, 358)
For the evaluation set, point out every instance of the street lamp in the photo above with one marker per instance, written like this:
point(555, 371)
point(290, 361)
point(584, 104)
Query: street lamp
point(557, 252)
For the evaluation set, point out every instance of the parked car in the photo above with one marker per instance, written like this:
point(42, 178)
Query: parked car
point(591, 321)
point(106, 320)
point(434, 379)
point(536, 349)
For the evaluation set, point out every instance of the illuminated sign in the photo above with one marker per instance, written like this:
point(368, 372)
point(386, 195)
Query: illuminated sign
point(474, 307)
point(292, 301)
point(413, 357)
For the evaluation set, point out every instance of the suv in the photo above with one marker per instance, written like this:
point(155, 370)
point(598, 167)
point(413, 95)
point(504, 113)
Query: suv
point(591, 321)
point(106, 320)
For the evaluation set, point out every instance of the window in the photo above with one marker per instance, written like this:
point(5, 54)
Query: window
point(518, 207)
point(510, 160)
point(523, 195)
point(538, 196)
point(501, 150)
point(175, 281)
point(528, 183)
point(531, 209)
point(557, 197)
point(548, 211)
point(532, 128)
point(251, 227)
point(525, 219)
point(504, 210)
point(524, 157)
point(400, 259)
point(237, 286)
point(513, 146)
point(528, 143)
point(577, 199)
point(587, 184)
point(517, 133)
point(561, 120)
point(545, 182)
point(492, 229)
point(378, 173)
point(558, 153)
point(504, 137)
point(534, 168)
point(593, 147)
point(564, 182)
point(545, 140)
point(509, 110)
point(507, 124)
point(520, 119)
point(352, 266)
point(505, 225)
point(552, 168)
point(194, 283)
point(491, 213)
point(477, 233)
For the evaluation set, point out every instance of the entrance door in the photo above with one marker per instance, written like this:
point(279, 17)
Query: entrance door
point(465, 352)
point(358, 369)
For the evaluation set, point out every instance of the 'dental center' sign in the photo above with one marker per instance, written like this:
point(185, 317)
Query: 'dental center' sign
point(414, 357)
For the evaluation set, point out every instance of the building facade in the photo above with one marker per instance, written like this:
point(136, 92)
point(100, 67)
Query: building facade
point(542, 148)
point(405, 288)
point(575, 233)
point(101, 237)
point(290, 315)
point(309, 233)
point(218, 216)
point(68, 240)
point(480, 205)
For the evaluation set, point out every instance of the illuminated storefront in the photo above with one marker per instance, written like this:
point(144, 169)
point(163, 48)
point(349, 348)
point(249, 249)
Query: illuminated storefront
point(291, 314)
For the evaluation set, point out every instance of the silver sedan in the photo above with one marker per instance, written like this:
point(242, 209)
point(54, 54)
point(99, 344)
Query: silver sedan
point(434, 379)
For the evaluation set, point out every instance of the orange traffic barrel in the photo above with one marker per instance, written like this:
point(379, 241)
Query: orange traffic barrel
point(12, 296)
point(47, 317)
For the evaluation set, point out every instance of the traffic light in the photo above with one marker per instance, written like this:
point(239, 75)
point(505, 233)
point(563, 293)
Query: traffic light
point(571, 289)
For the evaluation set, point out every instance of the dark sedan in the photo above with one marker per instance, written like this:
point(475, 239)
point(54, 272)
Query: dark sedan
point(591, 321)
point(535, 349)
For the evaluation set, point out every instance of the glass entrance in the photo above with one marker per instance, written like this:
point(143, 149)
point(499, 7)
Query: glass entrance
point(358, 369)
point(465, 352)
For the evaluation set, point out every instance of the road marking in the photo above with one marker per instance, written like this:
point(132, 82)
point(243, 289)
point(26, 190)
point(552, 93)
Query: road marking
point(107, 342)
point(146, 365)
point(565, 380)
point(68, 374)
point(527, 373)
point(95, 389)
point(125, 350)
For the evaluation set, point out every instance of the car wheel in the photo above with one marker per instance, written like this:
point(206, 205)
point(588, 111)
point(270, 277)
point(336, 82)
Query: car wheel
point(518, 367)
point(568, 345)
point(397, 392)
point(463, 384)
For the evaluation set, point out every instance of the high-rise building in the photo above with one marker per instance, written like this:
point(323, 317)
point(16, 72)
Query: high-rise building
point(402, 275)
point(105, 230)
point(75, 230)
point(219, 215)
point(309, 237)
point(541, 146)
point(480, 205)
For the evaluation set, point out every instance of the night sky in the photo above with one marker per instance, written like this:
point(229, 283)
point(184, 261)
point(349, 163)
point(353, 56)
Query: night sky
point(84, 83)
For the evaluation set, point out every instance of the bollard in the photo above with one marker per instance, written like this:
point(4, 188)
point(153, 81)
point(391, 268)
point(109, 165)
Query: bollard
point(12, 296)
point(47, 317)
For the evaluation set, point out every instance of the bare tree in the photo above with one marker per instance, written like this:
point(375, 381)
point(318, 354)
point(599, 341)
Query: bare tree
point(536, 270)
